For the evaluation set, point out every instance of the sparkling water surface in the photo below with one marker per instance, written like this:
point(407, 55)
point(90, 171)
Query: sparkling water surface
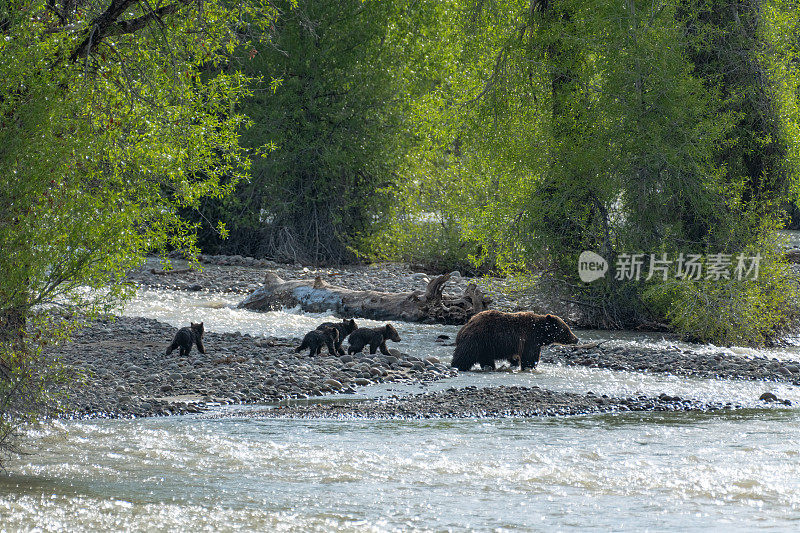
point(734, 471)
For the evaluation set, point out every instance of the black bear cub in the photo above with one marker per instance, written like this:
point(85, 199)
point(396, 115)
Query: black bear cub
point(345, 328)
point(514, 337)
point(314, 340)
point(375, 337)
point(186, 337)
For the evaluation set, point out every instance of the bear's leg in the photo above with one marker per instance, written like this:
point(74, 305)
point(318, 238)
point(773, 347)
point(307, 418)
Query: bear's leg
point(172, 347)
point(516, 357)
point(331, 348)
point(530, 356)
point(355, 348)
point(536, 354)
point(200, 346)
point(464, 366)
point(488, 366)
point(185, 350)
point(384, 349)
point(372, 349)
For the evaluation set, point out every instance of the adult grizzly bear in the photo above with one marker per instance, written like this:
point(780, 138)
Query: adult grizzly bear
point(375, 337)
point(515, 337)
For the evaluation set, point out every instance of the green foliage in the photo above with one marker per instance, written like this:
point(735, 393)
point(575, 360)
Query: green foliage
point(732, 311)
point(549, 128)
point(27, 377)
point(453, 175)
point(434, 243)
point(330, 128)
point(112, 116)
point(779, 57)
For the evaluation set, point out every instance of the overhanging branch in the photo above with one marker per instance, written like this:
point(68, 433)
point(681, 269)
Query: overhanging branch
point(134, 25)
point(109, 23)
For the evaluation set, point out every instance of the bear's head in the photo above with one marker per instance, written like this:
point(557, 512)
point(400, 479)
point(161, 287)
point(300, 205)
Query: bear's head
point(391, 333)
point(330, 331)
point(197, 328)
point(349, 326)
point(556, 330)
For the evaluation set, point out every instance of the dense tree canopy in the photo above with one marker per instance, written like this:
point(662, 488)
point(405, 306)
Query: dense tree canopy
point(331, 127)
point(113, 114)
point(621, 128)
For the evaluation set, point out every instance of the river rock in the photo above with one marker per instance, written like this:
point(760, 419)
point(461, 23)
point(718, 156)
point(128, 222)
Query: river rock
point(333, 383)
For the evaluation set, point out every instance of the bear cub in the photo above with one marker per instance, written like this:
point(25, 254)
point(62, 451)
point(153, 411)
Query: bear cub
point(345, 328)
point(514, 337)
point(186, 337)
point(314, 340)
point(375, 337)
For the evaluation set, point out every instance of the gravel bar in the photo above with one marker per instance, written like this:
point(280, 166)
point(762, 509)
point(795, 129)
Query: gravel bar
point(489, 402)
point(127, 373)
point(719, 365)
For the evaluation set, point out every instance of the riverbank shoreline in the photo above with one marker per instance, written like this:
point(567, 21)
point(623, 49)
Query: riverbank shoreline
point(243, 275)
point(483, 402)
point(125, 372)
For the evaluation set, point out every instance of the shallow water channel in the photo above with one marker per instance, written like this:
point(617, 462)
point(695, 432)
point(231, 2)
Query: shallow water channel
point(678, 471)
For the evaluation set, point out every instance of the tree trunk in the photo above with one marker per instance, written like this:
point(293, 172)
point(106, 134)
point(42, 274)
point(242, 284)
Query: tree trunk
point(12, 336)
point(316, 296)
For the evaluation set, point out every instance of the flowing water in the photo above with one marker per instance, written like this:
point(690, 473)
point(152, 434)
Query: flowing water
point(736, 471)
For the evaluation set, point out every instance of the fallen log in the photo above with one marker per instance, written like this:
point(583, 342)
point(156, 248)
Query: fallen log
point(428, 306)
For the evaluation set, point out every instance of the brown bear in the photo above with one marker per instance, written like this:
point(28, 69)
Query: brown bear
point(314, 340)
point(375, 337)
point(345, 328)
point(186, 337)
point(515, 337)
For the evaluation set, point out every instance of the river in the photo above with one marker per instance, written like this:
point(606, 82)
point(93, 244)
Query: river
point(737, 471)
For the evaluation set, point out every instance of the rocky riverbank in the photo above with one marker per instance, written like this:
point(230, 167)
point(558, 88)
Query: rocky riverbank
point(126, 372)
point(676, 361)
point(490, 402)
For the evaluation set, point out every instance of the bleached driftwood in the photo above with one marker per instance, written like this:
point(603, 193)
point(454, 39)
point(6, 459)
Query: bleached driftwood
point(317, 296)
